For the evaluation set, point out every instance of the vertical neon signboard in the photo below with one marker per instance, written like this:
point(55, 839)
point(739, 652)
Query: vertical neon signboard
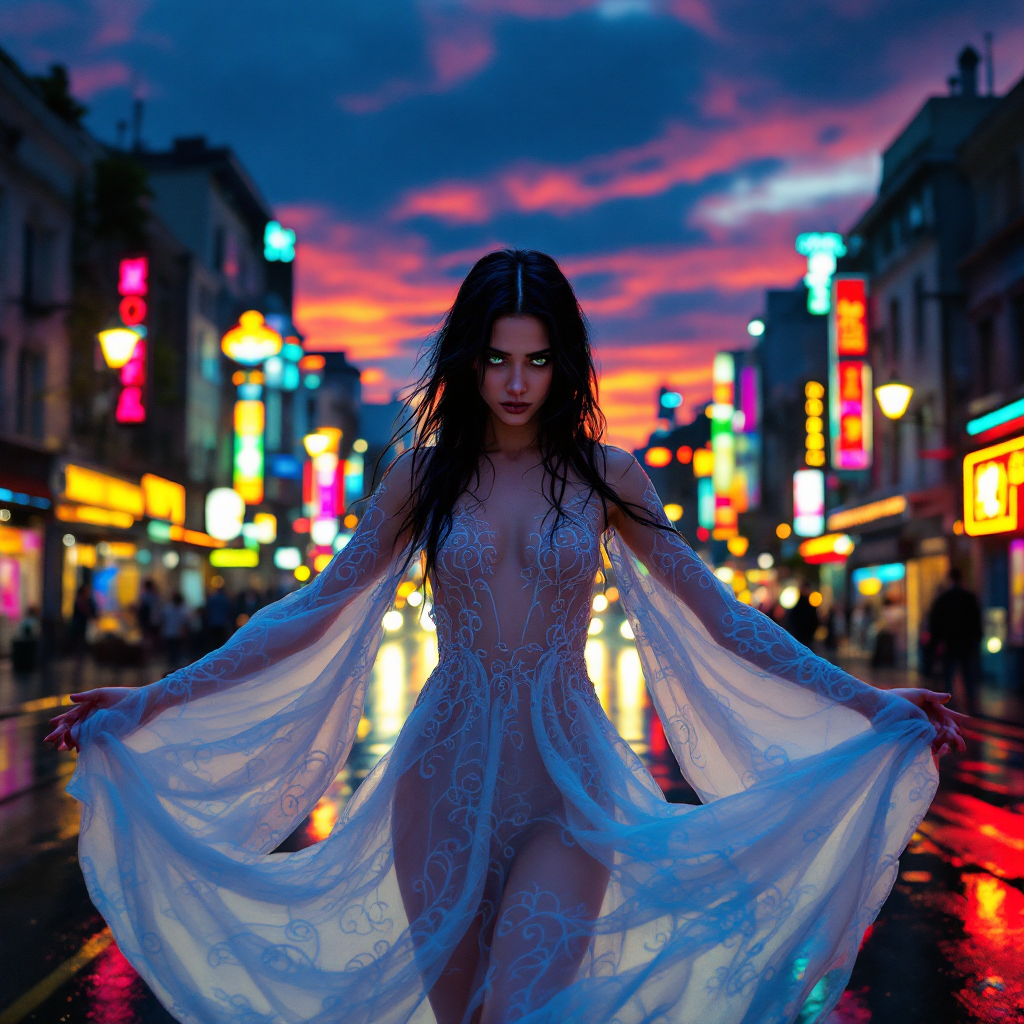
point(248, 477)
point(723, 443)
point(850, 411)
point(808, 502)
point(822, 249)
point(133, 287)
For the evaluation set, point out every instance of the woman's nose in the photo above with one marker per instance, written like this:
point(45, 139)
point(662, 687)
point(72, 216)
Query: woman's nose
point(516, 385)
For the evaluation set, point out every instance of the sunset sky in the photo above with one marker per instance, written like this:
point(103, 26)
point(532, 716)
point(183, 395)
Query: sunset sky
point(666, 152)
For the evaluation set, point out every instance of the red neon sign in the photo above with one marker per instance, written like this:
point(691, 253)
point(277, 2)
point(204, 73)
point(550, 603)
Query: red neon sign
point(851, 316)
point(850, 375)
point(133, 284)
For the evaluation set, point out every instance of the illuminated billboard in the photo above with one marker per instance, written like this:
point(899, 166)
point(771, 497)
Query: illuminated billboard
point(723, 444)
point(850, 411)
point(133, 287)
point(248, 476)
point(992, 483)
point(808, 502)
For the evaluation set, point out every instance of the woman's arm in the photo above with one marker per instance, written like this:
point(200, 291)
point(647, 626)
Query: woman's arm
point(739, 628)
point(278, 631)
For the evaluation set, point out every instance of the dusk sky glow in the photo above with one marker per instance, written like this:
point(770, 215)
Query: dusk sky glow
point(666, 152)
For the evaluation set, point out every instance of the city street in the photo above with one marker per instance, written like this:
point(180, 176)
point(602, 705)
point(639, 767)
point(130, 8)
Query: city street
point(945, 947)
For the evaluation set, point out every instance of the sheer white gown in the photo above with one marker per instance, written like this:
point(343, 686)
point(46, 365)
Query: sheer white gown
point(727, 912)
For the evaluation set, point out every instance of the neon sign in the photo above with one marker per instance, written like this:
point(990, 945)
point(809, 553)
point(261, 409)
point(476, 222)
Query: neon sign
point(723, 444)
point(814, 408)
point(248, 476)
point(808, 502)
point(133, 286)
point(251, 341)
point(850, 411)
point(993, 478)
point(822, 249)
point(278, 243)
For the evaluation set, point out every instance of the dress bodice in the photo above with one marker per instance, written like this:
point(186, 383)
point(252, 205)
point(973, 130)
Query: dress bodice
point(508, 600)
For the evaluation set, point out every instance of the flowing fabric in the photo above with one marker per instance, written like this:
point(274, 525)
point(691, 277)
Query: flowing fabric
point(469, 859)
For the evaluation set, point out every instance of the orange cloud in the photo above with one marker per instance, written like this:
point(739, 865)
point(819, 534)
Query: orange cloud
point(378, 295)
point(681, 154)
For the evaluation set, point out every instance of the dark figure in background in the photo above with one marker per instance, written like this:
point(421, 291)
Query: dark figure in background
point(802, 621)
point(954, 626)
point(149, 614)
point(174, 627)
point(83, 612)
point(217, 618)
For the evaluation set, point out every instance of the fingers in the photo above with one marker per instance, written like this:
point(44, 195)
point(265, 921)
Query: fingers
point(936, 696)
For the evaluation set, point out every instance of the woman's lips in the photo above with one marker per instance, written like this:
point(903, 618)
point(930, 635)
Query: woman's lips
point(515, 407)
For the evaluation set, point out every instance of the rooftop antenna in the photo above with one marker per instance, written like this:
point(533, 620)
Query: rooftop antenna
point(137, 124)
point(122, 129)
point(989, 70)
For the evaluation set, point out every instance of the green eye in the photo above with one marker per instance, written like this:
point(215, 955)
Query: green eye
point(494, 360)
point(540, 361)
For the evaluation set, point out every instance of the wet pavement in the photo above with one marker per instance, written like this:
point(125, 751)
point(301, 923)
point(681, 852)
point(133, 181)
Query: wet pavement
point(947, 946)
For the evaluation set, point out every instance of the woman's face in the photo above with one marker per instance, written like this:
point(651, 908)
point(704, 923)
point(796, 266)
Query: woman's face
point(517, 370)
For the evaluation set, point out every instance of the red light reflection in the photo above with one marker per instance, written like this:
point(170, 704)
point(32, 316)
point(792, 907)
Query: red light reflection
point(113, 989)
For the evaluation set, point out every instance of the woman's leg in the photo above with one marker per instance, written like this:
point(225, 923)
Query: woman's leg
point(431, 875)
point(544, 924)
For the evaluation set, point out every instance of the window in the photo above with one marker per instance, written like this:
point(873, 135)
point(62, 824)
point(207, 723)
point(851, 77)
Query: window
point(986, 356)
point(31, 394)
point(919, 298)
point(895, 331)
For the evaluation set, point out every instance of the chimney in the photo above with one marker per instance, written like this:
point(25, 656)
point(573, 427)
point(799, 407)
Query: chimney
point(968, 62)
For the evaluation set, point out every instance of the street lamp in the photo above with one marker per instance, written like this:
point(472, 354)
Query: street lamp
point(893, 398)
point(117, 344)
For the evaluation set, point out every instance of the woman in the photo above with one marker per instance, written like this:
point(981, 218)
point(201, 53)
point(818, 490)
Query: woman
point(510, 859)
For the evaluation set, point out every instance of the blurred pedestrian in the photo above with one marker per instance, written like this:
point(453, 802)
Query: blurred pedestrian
point(217, 617)
point(149, 614)
point(82, 613)
point(954, 626)
point(174, 630)
point(802, 620)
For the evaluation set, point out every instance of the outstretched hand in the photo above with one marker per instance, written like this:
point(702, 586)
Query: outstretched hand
point(947, 723)
point(65, 732)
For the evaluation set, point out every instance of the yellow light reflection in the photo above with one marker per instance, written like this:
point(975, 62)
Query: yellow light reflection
point(391, 680)
point(631, 698)
point(322, 819)
point(596, 656)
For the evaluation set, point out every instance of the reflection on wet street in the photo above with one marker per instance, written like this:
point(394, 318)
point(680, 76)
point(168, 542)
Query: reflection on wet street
point(945, 948)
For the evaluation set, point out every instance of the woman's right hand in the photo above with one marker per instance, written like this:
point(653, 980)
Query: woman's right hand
point(65, 734)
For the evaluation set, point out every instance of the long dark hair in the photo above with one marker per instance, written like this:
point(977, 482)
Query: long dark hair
point(449, 417)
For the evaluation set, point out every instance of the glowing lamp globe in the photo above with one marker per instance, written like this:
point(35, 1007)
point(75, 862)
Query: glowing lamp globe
point(117, 344)
point(893, 398)
point(225, 513)
point(316, 444)
point(252, 341)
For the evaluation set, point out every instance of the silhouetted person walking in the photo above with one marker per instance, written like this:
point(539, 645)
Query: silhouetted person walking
point(802, 621)
point(954, 625)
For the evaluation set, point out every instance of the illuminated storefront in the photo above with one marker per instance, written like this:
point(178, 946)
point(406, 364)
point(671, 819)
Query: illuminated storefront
point(993, 489)
point(898, 566)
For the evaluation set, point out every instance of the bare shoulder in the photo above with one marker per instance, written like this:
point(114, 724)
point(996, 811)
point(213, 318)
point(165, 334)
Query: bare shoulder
point(623, 472)
point(399, 482)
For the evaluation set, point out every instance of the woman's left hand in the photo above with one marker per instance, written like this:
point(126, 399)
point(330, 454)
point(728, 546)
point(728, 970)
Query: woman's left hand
point(946, 722)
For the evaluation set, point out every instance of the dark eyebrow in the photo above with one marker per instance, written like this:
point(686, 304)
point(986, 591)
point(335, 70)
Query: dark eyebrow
point(529, 355)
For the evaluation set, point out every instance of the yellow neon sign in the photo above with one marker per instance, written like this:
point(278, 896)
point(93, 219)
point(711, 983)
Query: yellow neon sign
point(164, 499)
point(90, 487)
point(992, 481)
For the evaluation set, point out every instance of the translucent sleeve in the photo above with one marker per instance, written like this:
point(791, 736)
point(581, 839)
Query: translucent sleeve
point(235, 749)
